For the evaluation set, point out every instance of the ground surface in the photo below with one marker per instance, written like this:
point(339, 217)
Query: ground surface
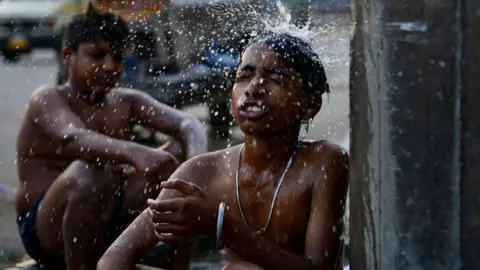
point(19, 80)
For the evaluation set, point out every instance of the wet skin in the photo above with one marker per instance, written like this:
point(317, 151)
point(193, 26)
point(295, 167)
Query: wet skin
point(306, 224)
point(70, 146)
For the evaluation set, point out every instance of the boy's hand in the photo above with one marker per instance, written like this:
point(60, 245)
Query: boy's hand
point(153, 161)
point(193, 215)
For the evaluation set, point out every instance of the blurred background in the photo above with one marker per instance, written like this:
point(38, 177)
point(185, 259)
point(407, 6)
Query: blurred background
point(184, 54)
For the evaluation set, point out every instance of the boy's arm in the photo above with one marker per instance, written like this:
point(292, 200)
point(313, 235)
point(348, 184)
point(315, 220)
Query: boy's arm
point(322, 241)
point(139, 238)
point(134, 244)
point(165, 119)
point(51, 112)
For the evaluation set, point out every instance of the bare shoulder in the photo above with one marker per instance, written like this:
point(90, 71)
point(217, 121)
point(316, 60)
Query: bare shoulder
point(201, 170)
point(137, 98)
point(125, 91)
point(325, 151)
point(330, 162)
point(45, 98)
point(130, 93)
point(204, 168)
point(43, 92)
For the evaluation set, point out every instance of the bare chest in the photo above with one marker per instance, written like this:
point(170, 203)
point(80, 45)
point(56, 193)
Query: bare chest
point(284, 218)
point(112, 118)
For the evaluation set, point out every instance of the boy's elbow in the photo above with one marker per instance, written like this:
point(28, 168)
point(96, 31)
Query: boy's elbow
point(190, 123)
point(192, 129)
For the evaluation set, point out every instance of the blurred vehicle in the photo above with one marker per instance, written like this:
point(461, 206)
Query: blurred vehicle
point(26, 25)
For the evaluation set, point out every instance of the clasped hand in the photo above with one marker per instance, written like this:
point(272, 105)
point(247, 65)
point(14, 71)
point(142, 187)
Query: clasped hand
point(190, 216)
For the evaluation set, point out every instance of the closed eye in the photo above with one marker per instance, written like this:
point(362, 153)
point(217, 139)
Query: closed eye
point(245, 72)
point(278, 74)
point(242, 77)
point(277, 77)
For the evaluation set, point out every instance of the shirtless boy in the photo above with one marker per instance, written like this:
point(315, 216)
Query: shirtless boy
point(82, 180)
point(279, 86)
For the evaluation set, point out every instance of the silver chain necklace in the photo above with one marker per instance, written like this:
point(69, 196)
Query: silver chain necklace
point(272, 206)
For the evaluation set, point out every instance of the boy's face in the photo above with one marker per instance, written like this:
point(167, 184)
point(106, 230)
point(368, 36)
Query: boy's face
point(96, 67)
point(267, 97)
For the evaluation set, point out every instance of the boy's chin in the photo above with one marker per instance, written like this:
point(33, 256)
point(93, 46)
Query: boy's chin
point(256, 128)
point(264, 128)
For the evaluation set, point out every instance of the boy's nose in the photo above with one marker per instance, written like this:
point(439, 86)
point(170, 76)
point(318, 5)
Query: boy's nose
point(256, 88)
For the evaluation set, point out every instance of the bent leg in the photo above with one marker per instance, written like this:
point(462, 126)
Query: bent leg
point(74, 217)
point(137, 190)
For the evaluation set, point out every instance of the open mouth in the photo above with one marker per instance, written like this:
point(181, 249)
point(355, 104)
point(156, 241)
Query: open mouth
point(254, 109)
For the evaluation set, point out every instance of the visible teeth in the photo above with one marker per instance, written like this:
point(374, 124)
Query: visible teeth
point(254, 108)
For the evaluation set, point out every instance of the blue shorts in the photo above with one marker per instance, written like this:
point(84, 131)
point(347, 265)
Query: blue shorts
point(27, 226)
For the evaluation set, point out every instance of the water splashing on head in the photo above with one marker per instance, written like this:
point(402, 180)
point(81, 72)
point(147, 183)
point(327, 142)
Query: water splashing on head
point(281, 21)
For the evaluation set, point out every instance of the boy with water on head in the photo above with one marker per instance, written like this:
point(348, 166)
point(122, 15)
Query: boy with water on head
point(274, 202)
point(82, 179)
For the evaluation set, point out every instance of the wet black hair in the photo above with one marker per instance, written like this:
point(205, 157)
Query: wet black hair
point(300, 55)
point(96, 26)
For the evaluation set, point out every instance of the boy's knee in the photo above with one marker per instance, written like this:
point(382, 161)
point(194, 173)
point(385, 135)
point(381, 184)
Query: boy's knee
point(166, 170)
point(175, 148)
point(82, 179)
point(163, 170)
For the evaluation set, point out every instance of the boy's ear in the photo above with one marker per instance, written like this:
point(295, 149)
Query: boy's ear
point(314, 104)
point(67, 54)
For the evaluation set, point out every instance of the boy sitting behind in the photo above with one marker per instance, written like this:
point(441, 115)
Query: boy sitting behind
point(77, 190)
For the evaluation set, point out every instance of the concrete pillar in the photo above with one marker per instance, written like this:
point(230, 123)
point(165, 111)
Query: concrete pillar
point(415, 135)
point(470, 123)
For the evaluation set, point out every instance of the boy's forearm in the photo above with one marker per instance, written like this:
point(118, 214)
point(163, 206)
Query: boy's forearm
point(131, 246)
point(114, 261)
point(257, 250)
point(96, 147)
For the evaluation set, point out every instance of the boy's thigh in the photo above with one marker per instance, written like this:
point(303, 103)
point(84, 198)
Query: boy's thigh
point(81, 183)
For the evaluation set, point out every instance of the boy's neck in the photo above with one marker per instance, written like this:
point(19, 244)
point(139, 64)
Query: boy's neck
point(269, 153)
point(89, 96)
